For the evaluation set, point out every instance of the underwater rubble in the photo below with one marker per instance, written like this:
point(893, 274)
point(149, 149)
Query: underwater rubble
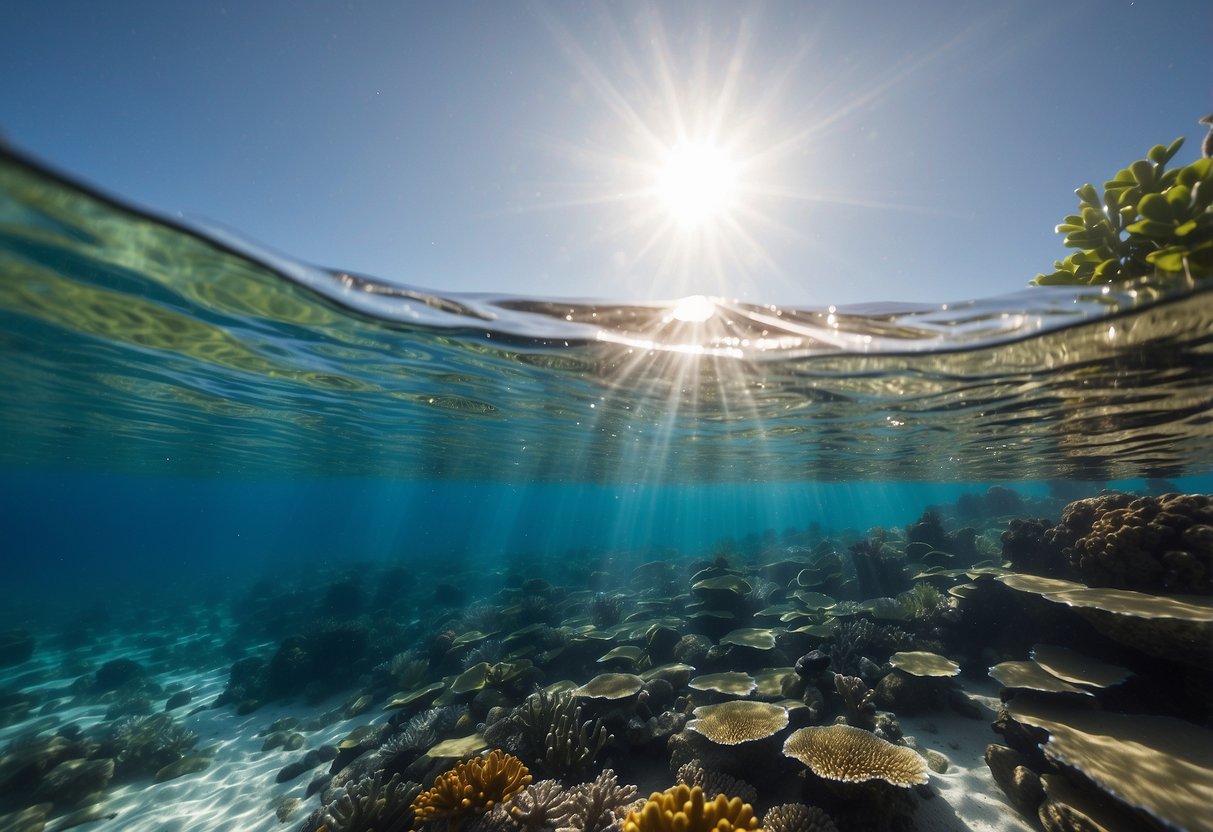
point(761, 686)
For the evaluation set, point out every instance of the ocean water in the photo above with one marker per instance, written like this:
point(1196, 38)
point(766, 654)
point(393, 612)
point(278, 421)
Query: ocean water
point(204, 445)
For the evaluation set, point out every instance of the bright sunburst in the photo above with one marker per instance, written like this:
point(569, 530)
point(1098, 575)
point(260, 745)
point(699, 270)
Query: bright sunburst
point(697, 183)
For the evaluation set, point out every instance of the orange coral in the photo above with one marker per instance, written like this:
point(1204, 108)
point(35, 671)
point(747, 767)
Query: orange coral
point(684, 809)
point(471, 788)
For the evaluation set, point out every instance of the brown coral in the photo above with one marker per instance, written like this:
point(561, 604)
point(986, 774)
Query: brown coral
point(1142, 543)
point(853, 755)
point(797, 817)
point(715, 782)
point(684, 809)
point(471, 788)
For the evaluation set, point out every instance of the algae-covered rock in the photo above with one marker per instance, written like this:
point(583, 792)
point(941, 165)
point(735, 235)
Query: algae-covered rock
point(186, 765)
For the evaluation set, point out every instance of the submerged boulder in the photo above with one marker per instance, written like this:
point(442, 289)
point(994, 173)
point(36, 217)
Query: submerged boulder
point(16, 647)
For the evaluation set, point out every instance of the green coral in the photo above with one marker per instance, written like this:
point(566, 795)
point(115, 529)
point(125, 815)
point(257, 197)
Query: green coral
point(922, 602)
point(1149, 222)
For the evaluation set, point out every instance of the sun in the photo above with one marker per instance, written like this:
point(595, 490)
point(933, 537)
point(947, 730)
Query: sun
point(697, 183)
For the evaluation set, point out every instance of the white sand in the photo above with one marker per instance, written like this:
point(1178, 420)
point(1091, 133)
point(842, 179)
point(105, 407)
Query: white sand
point(238, 792)
point(968, 798)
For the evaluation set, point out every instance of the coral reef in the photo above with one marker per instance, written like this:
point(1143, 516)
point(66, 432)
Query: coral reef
point(684, 809)
point(852, 755)
point(606, 610)
point(856, 640)
point(423, 730)
point(923, 603)
point(1148, 544)
point(858, 699)
point(143, 745)
point(367, 805)
point(738, 721)
point(547, 730)
point(599, 805)
point(715, 782)
point(489, 651)
point(879, 572)
point(471, 788)
point(541, 807)
point(1023, 544)
point(797, 817)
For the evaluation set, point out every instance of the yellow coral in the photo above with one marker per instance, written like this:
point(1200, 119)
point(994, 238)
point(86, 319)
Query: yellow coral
point(471, 788)
point(684, 809)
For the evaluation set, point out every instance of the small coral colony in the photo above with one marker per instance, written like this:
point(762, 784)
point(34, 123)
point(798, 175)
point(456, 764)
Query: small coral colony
point(758, 686)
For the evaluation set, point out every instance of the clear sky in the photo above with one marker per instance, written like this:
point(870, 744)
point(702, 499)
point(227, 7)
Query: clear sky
point(801, 153)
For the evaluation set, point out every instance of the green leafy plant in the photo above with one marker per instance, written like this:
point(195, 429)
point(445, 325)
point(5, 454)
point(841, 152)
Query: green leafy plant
point(1149, 221)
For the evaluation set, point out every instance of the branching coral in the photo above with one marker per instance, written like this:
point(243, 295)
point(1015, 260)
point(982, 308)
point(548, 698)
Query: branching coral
point(423, 730)
point(540, 807)
point(600, 805)
point(547, 806)
point(490, 651)
point(684, 809)
point(606, 610)
point(405, 670)
point(548, 730)
point(146, 744)
point(858, 699)
point(923, 602)
point(854, 640)
point(471, 788)
point(367, 805)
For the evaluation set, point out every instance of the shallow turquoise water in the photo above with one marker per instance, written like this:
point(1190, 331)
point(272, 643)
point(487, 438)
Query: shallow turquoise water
point(173, 393)
point(186, 421)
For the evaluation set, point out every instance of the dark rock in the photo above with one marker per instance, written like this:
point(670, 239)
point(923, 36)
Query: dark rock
point(119, 673)
point(32, 819)
point(292, 770)
point(129, 706)
point(319, 783)
point(660, 642)
point(74, 782)
point(179, 768)
point(963, 705)
point(178, 699)
point(16, 647)
point(692, 649)
point(812, 663)
point(905, 694)
point(661, 727)
point(1019, 783)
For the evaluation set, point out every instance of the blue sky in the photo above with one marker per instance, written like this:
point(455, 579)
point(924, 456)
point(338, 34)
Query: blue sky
point(881, 151)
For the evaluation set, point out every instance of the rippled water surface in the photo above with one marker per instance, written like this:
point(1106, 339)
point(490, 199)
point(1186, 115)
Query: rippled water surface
point(132, 344)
